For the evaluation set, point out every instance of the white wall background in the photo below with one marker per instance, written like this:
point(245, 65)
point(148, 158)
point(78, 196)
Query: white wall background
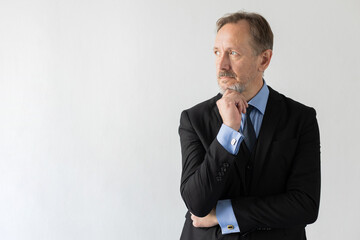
point(90, 99)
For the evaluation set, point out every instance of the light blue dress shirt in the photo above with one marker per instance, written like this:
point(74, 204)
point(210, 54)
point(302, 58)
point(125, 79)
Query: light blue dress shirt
point(231, 140)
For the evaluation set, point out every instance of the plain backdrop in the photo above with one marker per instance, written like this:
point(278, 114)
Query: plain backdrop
point(90, 99)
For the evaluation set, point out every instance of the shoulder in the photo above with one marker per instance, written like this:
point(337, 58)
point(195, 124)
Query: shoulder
point(203, 108)
point(291, 106)
point(294, 118)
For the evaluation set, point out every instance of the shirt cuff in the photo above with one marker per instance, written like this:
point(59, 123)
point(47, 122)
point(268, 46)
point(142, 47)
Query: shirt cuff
point(226, 217)
point(229, 139)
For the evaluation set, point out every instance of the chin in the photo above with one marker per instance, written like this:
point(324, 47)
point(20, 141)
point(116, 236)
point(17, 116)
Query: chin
point(235, 86)
point(226, 83)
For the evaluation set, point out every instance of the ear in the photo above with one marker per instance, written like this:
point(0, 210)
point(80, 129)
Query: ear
point(265, 58)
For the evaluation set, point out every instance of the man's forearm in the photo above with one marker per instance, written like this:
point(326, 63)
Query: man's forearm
point(205, 172)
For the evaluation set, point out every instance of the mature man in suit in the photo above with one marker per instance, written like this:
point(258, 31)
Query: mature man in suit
point(250, 155)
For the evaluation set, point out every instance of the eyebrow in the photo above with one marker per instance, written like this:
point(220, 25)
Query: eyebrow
point(230, 48)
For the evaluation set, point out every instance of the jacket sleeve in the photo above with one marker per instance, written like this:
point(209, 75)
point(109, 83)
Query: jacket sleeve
point(204, 171)
point(299, 204)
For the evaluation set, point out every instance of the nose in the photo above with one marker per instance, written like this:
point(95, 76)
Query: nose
point(224, 62)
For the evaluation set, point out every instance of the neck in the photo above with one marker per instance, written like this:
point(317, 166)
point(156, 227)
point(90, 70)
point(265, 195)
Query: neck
point(254, 89)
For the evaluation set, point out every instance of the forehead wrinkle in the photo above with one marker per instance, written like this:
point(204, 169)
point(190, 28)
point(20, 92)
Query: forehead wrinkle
point(234, 36)
point(232, 44)
point(226, 47)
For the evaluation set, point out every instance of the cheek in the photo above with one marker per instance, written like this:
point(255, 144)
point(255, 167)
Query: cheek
point(238, 70)
point(243, 68)
point(217, 64)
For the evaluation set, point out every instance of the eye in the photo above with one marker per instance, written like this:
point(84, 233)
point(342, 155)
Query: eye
point(217, 53)
point(233, 53)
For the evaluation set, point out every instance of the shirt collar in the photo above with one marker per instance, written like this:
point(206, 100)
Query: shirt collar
point(260, 99)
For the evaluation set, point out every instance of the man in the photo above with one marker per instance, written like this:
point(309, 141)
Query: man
point(250, 155)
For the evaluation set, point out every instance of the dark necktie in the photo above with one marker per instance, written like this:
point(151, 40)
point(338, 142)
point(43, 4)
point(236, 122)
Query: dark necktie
point(249, 132)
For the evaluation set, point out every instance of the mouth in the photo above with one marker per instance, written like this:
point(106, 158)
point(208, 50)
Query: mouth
point(226, 78)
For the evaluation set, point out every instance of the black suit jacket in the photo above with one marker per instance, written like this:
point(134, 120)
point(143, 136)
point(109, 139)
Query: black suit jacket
point(280, 196)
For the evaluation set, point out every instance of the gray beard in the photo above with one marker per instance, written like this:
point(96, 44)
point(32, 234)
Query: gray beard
point(236, 87)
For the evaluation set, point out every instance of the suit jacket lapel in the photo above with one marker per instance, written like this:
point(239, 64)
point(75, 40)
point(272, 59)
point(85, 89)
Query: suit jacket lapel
point(267, 130)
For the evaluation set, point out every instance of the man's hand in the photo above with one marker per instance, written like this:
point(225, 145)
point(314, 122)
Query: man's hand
point(209, 220)
point(230, 106)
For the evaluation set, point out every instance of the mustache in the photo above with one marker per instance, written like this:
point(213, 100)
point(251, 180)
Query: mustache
point(226, 74)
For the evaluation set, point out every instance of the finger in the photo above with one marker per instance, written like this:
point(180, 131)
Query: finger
point(234, 95)
point(241, 107)
point(240, 104)
point(227, 92)
point(195, 221)
point(244, 107)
